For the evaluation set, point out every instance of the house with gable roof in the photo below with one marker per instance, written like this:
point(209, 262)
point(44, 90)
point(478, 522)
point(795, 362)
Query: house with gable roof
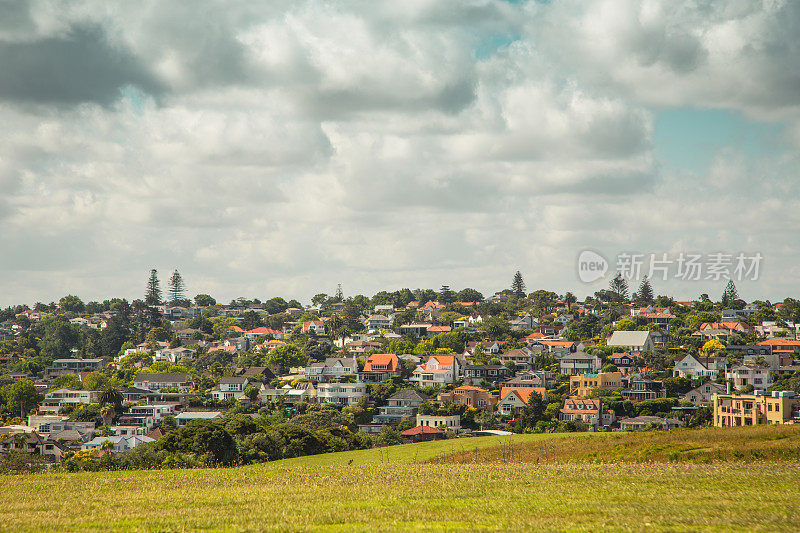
point(380, 367)
point(513, 399)
point(437, 371)
point(330, 368)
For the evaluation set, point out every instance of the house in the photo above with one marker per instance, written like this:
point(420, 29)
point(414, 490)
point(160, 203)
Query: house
point(341, 393)
point(733, 315)
point(743, 375)
point(578, 363)
point(704, 394)
point(514, 400)
point(157, 381)
point(693, 367)
point(551, 330)
point(316, 327)
point(558, 346)
point(521, 357)
point(264, 373)
point(120, 443)
point(415, 329)
point(585, 384)
point(302, 392)
point(256, 333)
point(644, 389)
point(786, 346)
point(55, 400)
point(400, 406)
point(523, 322)
point(173, 355)
point(33, 443)
point(494, 374)
point(231, 388)
point(633, 341)
point(721, 331)
point(72, 366)
point(448, 422)
point(380, 367)
point(378, 322)
point(147, 415)
point(586, 410)
point(534, 378)
point(642, 422)
point(437, 371)
point(331, 368)
point(362, 347)
point(488, 347)
point(187, 416)
point(436, 330)
point(777, 407)
point(423, 433)
point(625, 361)
point(469, 396)
point(56, 427)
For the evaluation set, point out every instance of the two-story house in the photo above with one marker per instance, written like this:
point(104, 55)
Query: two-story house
point(156, 381)
point(331, 368)
point(379, 367)
point(438, 370)
point(744, 375)
point(231, 388)
point(578, 363)
point(341, 393)
point(469, 396)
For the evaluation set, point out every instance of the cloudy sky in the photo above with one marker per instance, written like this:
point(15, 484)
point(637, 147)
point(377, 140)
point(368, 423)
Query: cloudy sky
point(282, 149)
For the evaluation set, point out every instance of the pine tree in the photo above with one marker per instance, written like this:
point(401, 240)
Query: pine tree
point(339, 297)
point(446, 296)
point(619, 287)
point(518, 285)
point(730, 294)
point(177, 289)
point(153, 294)
point(645, 293)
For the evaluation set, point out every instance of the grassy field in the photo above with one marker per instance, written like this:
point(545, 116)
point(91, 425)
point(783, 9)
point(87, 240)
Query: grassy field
point(395, 490)
point(741, 444)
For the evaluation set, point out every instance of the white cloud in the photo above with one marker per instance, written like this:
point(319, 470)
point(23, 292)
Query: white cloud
point(282, 149)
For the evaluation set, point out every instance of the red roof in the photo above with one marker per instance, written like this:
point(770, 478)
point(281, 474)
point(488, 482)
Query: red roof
point(523, 393)
point(535, 335)
point(263, 331)
point(389, 359)
point(440, 328)
point(779, 342)
point(421, 430)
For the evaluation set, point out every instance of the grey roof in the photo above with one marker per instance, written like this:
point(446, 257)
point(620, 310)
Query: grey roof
point(164, 377)
point(409, 394)
point(199, 415)
point(628, 338)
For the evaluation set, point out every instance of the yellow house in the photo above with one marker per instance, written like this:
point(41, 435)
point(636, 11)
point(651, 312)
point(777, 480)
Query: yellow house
point(583, 384)
point(778, 407)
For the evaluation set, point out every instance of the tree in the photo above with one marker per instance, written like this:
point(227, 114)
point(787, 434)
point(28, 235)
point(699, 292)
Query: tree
point(21, 396)
point(153, 294)
point(204, 300)
point(446, 296)
point(319, 299)
point(177, 289)
point(112, 396)
point(339, 296)
point(645, 293)
point(71, 304)
point(730, 294)
point(286, 356)
point(518, 285)
point(569, 299)
point(469, 295)
point(619, 286)
point(251, 392)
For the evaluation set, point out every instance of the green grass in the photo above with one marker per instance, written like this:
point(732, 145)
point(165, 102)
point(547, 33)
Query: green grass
point(741, 444)
point(325, 493)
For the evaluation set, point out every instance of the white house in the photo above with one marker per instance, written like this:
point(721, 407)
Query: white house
point(694, 367)
point(173, 355)
point(451, 422)
point(186, 417)
point(744, 375)
point(120, 443)
point(230, 388)
point(439, 370)
point(576, 363)
point(341, 393)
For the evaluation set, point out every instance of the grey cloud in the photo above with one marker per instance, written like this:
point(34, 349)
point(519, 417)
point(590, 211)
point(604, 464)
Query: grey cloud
point(79, 67)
